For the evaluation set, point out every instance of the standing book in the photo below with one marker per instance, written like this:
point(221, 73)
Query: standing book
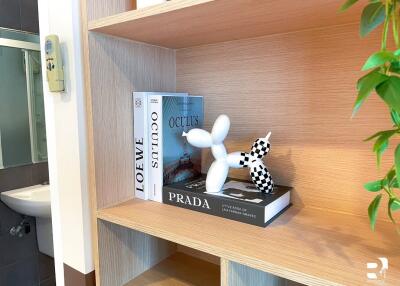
point(238, 200)
point(140, 145)
point(141, 139)
point(172, 159)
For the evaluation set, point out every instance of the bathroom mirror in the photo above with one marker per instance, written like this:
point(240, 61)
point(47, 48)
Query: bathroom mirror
point(22, 120)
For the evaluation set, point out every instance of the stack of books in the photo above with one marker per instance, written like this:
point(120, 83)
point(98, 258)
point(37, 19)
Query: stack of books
point(162, 154)
point(168, 168)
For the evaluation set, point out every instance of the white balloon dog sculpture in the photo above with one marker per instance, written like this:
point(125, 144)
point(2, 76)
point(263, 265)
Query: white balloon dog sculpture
point(218, 171)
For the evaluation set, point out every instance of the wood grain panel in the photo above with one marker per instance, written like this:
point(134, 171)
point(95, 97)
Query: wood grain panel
point(224, 271)
point(180, 270)
point(308, 246)
point(113, 69)
point(198, 254)
point(240, 275)
point(103, 8)
point(185, 23)
point(85, 10)
point(119, 67)
point(125, 253)
point(300, 86)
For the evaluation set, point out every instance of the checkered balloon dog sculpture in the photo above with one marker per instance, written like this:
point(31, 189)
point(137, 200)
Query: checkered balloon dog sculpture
point(218, 171)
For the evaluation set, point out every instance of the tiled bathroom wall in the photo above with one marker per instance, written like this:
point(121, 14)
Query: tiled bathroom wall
point(21, 264)
point(19, 15)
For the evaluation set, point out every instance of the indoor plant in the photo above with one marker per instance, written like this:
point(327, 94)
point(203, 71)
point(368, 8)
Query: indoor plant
point(383, 77)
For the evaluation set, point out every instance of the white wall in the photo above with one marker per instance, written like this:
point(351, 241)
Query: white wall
point(66, 141)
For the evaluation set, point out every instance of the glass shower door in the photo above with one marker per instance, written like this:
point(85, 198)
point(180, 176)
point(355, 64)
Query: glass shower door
point(14, 121)
point(36, 106)
point(22, 118)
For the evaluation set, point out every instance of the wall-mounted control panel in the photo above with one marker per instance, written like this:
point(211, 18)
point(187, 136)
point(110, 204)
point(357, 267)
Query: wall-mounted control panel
point(54, 66)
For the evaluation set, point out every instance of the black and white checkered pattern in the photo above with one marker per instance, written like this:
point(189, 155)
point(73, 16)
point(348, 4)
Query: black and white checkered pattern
point(244, 159)
point(258, 172)
point(262, 178)
point(260, 148)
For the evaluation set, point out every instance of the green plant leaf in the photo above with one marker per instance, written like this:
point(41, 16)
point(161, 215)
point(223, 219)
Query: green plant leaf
point(397, 163)
point(379, 58)
point(373, 210)
point(382, 143)
point(390, 215)
point(389, 177)
point(395, 117)
point(386, 133)
point(365, 78)
point(379, 150)
point(380, 147)
point(397, 53)
point(374, 186)
point(372, 16)
point(366, 85)
point(389, 91)
point(347, 5)
point(395, 204)
point(395, 67)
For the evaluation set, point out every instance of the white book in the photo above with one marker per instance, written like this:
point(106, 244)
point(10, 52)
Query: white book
point(155, 146)
point(140, 145)
point(168, 135)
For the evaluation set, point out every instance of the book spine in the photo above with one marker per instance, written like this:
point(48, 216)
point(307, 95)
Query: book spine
point(140, 145)
point(217, 206)
point(155, 146)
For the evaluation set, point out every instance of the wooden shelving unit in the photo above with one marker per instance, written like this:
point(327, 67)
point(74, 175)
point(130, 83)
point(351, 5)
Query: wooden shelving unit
point(315, 247)
point(285, 66)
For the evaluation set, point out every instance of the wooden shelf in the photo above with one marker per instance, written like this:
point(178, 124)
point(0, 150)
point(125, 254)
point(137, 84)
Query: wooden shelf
point(180, 270)
point(186, 23)
point(308, 246)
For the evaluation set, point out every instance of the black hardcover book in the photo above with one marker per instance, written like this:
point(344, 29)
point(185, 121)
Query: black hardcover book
point(238, 200)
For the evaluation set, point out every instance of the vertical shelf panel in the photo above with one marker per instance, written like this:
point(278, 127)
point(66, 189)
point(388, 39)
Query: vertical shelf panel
point(125, 253)
point(224, 272)
point(119, 67)
point(114, 68)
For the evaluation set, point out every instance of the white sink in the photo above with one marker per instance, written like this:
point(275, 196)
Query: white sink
point(32, 201)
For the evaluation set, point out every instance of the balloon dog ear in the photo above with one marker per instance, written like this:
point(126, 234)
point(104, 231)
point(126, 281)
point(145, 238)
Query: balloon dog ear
point(220, 129)
point(268, 135)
